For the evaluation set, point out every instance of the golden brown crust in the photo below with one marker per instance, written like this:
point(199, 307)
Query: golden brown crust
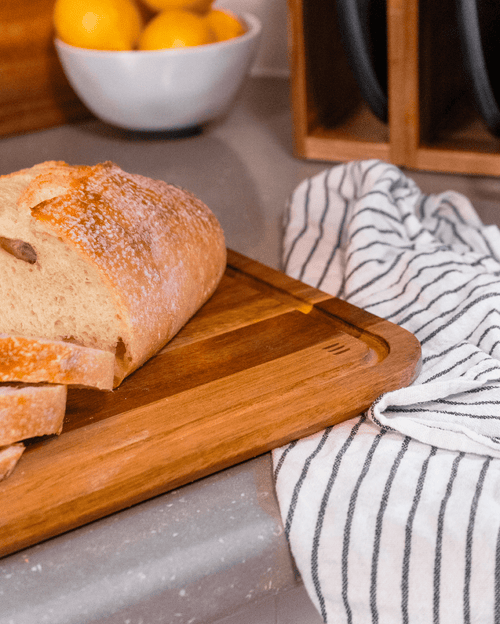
point(144, 253)
point(158, 248)
point(30, 411)
point(9, 456)
point(37, 360)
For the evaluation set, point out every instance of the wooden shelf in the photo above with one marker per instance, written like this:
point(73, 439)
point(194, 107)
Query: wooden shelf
point(433, 124)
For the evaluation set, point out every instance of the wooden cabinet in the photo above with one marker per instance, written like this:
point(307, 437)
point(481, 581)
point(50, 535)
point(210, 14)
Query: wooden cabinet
point(34, 93)
point(433, 124)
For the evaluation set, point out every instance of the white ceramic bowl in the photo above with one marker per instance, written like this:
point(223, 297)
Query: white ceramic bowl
point(161, 90)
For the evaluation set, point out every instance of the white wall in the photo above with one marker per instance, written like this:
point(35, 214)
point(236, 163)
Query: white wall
point(272, 59)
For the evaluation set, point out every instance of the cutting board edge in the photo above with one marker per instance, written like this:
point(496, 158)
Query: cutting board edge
point(107, 508)
point(396, 369)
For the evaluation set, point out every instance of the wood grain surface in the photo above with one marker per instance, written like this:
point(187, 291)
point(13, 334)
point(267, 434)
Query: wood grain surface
point(433, 124)
point(34, 92)
point(267, 360)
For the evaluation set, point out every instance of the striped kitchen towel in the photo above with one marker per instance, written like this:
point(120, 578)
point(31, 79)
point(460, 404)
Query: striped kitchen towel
point(394, 516)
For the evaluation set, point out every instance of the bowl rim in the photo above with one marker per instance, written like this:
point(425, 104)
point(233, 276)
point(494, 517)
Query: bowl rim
point(253, 23)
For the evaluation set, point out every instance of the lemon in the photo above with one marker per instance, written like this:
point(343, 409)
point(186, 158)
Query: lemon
point(199, 6)
point(224, 24)
point(98, 24)
point(175, 29)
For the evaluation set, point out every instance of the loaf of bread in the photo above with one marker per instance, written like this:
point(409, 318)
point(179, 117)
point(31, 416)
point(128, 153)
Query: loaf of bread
point(105, 259)
point(37, 360)
point(29, 411)
point(9, 456)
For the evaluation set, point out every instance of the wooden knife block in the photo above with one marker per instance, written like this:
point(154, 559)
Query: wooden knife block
point(34, 93)
point(433, 124)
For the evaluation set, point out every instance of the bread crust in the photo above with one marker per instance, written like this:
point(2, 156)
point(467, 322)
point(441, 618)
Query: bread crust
point(30, 411)
point(9, 456)
point(158, 249)
point(38, 360)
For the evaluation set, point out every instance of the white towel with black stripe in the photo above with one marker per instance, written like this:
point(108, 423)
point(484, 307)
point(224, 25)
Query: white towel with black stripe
point(394, 517)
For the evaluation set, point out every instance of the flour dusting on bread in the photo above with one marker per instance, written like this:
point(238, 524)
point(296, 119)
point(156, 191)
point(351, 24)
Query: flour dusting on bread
point(123, 261)
point(100, 269)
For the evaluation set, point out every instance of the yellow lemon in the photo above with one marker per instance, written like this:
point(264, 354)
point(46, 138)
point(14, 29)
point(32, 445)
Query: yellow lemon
point(224, 24)
point(199, 6)
point(98, 24)
point(175, 29)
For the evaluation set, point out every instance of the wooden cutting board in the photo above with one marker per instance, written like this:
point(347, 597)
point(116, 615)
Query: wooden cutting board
point(267, 360)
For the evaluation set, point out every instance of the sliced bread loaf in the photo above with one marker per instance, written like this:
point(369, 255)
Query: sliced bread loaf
point(105, 259)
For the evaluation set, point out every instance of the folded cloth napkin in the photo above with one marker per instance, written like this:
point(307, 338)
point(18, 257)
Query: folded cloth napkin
point(394, 516)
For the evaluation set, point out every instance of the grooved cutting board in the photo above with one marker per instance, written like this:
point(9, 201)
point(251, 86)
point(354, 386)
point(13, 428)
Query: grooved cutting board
point(267, 360)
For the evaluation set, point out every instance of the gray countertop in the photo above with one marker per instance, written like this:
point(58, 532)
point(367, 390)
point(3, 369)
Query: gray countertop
point(193, 555)
point(242, 167)
point(204, 550)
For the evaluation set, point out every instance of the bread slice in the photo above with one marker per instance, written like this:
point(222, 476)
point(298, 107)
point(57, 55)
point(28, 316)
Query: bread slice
point(36, 360)
point(9, 456)
point(30, 411)
point(103, 258)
